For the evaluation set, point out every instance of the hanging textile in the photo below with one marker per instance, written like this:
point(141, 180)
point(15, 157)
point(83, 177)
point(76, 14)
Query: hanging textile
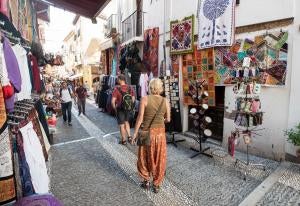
point(268, 60)
point(198, 67)
point(150, 52)
point(40, 200)
point(216, 23)
point(42, 116)
point(7, 183)
point(21, 55)
point(3, 115)
point(35, 159)
point(9, 27)
point(36, 74)
point(13, 4)
point(182, 36)
point(25, 176)
point(144, 79)
point(13, 72)
point(4, 7)
point(22, 15)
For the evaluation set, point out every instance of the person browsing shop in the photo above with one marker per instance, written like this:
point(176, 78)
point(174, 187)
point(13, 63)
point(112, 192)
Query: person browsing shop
point(154, 112)
point(66, 95)
point(81, 94)
point(123, 104)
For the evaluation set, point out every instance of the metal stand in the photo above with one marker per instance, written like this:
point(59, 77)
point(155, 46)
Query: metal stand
point(248, 164)
point(173, 141)
point(201, 151)
point(172, 126)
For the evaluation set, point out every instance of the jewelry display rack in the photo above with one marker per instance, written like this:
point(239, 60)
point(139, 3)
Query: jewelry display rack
point(170, 83)
point(249, 129)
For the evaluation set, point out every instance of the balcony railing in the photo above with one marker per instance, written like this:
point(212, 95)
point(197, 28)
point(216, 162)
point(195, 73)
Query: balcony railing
point(111, 26)
point(133, 26)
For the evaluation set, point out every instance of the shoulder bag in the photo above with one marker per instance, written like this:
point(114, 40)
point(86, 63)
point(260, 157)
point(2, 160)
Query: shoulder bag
point(143, 138)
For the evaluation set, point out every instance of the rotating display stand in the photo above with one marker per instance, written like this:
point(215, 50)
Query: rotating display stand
point(248, 118)
point(199, 116)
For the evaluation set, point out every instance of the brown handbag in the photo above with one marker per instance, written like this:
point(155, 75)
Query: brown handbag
point(143, 138)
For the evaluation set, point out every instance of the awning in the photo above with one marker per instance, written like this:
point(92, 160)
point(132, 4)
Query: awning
point(42, 10)
point(76, 76)
point(86, 8)
point(106, 45)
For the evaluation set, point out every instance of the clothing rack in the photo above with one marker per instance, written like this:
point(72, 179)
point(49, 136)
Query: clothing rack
point(10, 36)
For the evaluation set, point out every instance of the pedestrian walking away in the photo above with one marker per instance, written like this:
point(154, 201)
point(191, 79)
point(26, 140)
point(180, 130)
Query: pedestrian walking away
point(123, 104)
point(154, 112)
point(66, 95)
point(81, 94)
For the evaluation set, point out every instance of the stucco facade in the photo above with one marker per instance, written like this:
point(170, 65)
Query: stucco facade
point(278, 103)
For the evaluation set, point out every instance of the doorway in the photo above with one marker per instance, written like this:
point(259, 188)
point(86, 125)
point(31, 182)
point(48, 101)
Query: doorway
point(217, 114)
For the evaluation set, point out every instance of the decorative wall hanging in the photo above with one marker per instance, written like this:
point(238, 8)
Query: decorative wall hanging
point(216, 23)
point(262, 59)
point(175, 65)
point(198, 66)
point(182, 36)
point(150, 54)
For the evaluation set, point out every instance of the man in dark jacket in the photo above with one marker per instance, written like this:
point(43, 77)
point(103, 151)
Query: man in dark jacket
point(81, 94)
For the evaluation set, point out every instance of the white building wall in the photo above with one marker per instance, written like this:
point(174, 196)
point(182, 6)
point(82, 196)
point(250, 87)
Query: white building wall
point(258, 11)
point(127, 8)
point(294, 108)
point(280, 109)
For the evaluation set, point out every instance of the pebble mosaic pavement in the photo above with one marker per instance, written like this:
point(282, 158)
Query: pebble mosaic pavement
point(101, 172)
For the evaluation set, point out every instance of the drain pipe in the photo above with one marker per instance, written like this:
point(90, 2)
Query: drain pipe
point(164, 38)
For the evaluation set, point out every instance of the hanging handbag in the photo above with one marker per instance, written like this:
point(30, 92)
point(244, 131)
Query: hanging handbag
point(143, 138)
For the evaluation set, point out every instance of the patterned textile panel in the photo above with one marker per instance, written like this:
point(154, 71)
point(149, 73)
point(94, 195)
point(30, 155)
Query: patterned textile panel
point(150, 54)
point(7, 183)
point(216, 23)
point(182, 36)
point(268, 54)
point(198, 66)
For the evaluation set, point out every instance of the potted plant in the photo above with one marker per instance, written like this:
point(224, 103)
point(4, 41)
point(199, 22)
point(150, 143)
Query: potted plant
point(294, 137)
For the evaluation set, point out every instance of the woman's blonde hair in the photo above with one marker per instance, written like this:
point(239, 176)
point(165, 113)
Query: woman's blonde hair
point(156, 86)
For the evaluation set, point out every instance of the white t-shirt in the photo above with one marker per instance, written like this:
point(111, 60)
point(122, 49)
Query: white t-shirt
point(65, 95)
point(25, 92)
point(35, 158)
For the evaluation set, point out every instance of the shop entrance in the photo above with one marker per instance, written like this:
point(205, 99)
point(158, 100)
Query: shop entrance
point(217, 114)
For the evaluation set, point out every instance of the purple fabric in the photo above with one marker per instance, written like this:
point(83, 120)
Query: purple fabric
point(39, 200)
point(10, 103)
point(13, 72)
point(12, 66)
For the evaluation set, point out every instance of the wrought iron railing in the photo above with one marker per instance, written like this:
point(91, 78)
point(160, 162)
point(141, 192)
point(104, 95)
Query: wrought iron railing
point(111, 26)
point(133, 26)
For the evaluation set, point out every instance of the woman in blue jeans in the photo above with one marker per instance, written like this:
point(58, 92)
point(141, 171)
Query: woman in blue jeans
point(66, 96)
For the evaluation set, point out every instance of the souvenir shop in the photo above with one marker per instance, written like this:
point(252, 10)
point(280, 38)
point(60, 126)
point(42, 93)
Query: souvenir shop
point(215, 59)
point(24, 131)
point(127, 62)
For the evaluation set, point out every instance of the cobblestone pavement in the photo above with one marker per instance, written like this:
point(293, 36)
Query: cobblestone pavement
point(98, 171)
point(65, 133)
point(286, 191)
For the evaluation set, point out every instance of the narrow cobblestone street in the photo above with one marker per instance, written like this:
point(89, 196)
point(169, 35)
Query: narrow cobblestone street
point(89, 167)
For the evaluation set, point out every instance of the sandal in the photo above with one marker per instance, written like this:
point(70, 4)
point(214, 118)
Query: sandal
point(156, 189)
point(130, 139)
point(123, 142)
point(145, 185)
